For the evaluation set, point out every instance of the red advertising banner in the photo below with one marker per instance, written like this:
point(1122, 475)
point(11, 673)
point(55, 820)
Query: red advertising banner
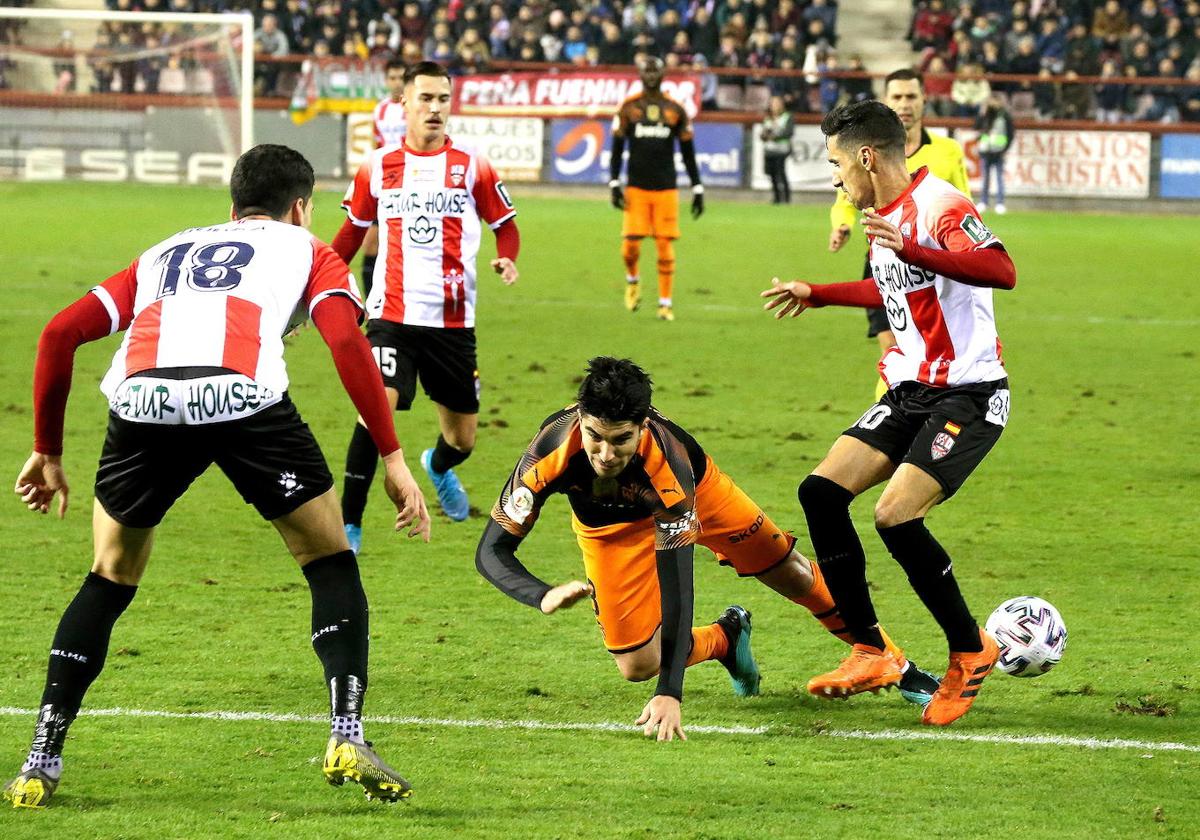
point(574, 94)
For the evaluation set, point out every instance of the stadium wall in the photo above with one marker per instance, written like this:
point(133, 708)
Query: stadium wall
point(1047, 167)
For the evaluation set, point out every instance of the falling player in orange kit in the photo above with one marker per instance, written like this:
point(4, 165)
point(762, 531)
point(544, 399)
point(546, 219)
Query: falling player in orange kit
point(643, 493)
point(651, 122)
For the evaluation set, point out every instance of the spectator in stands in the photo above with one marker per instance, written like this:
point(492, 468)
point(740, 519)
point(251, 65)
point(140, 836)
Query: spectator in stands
point(829, 89)
point(937, 87)
point(294, 23)
point(793, 90)
point(1076, 101)
point(776, 132)
point(1051, 44)
point(1017, 32)
point(1111, 97)
point(525, 21)
point(1148, 16)
point(639, 15)
point(613, 48)
point(575, 46)
point(1045, 95)
point(992, 62)
point(815, 34)
point(995, 127)
point(498, 30)
point(821, 10)
point(442, 52)
point(761, 50)
point(1164, 102)
point(1111, 21)
point(530, 48)
point(786, 14)
point(472, 42)
point(857, 90)
point(1141, 58)
point(413, 24)
point(704, 35)
point(727, 10)
point(931, 26)
point(970, 91)
point(1189, 97)
point(1082, 52)
point(668, 26)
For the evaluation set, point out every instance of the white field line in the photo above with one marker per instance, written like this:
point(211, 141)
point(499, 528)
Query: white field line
point(552, 726)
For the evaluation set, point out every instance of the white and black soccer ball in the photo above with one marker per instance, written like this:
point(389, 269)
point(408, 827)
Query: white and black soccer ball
point(1031, 635)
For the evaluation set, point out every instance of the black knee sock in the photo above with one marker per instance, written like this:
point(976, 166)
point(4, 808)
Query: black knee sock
point(840, 555)
point(930, 572)
point(446, 457)
point(77, 655)
point(340, 630)
point(361, 459)
point(368, 270)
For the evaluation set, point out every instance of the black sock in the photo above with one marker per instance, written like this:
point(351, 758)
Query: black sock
point(77, 655)
point(361, 459)
point(340, 629)
point(368, 271)
point(446, 457)
point(929, 571)
point(840, 554)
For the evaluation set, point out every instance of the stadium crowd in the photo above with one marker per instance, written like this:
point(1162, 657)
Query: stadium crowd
point(961, 45)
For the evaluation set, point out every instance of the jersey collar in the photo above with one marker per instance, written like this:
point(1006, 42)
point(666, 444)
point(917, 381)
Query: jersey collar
point(917, 178)
point(925, 141)
point(445, 146)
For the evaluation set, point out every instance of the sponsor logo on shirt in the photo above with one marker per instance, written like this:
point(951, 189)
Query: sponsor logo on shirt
point(190, 402)
point(654, 132)
point(975, 229)
point(421, 231)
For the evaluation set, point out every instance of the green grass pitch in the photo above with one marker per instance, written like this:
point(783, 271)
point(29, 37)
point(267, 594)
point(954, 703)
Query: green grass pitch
point(1089, 500)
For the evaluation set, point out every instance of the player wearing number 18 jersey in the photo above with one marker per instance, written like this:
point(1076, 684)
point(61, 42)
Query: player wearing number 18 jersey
point(431, 197)
point(199, 379)
point(934, 265)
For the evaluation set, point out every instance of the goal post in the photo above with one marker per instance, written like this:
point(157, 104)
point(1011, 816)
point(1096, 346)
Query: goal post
point(106, 95)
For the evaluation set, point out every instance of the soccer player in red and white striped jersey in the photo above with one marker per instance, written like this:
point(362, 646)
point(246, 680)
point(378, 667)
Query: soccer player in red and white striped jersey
point(388, 125)
point(199, 379)
point(431, 197)
point(934, 266)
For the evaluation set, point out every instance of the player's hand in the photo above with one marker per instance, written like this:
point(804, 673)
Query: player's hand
point(664, 714)
point(402, 489)
point(697, 205)
point(507, 269)
point(884, 232)
point(618, 197)
point(839, 237)
point(40, 478)
point(565, 595)
point(789, 298)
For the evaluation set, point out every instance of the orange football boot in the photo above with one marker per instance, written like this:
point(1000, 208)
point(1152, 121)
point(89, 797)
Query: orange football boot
point(960, 685)
point(867, 668)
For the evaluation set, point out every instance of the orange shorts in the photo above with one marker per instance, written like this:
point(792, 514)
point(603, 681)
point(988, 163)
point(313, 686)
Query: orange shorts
point(621, 567)
point(651, 213)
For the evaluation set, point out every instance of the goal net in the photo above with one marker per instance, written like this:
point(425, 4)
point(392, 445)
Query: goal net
point(157, 97)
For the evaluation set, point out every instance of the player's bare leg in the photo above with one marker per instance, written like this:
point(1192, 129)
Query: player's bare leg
point(900, 519)
point(631, 252)
point(362, 459)
point(666, 277)
point(454, 446)
point(79, 650)
point(314, 536)
point(726, 640)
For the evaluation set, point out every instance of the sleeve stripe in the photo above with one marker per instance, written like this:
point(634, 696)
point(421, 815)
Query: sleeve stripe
point(110, 305)
point(357, 221)
point(502, 219)
point(329, 293)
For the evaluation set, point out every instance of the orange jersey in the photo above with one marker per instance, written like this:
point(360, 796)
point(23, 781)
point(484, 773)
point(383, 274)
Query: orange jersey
point(659, 483)
point(651, 124)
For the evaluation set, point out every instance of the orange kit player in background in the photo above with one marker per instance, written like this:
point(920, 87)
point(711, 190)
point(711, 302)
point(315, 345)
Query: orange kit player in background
point(643, 493)
point(652, 122)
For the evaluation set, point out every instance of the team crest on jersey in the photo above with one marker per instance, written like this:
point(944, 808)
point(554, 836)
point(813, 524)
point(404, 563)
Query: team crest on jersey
point(943, 442)
point(653, 113)
point(458, 173)
point(975, 230)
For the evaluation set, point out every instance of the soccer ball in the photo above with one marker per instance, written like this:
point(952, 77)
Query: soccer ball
point(1031, 636)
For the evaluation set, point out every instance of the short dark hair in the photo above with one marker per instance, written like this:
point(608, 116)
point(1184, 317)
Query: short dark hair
point(869, 123)
point(395, 64)
point(267, 179)
point(905, 74)
point(615, 390)
point(425, 68)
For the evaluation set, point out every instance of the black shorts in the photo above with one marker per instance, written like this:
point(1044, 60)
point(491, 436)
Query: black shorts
point(271, 457)
point(944, 431)
point(877, 319)
point(443, 358)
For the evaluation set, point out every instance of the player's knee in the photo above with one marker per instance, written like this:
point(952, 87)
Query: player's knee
point(793, 577)
point(666, 249)
point(818, 495)
point(637, 668)
point(890, 512)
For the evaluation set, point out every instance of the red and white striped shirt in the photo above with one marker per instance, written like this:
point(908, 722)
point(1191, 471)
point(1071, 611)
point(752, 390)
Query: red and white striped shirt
point(389, 123)
point(430, 207)
point(945, 329)
point(220, 296)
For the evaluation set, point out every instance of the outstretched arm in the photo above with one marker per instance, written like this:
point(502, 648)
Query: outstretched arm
point(496, 559)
